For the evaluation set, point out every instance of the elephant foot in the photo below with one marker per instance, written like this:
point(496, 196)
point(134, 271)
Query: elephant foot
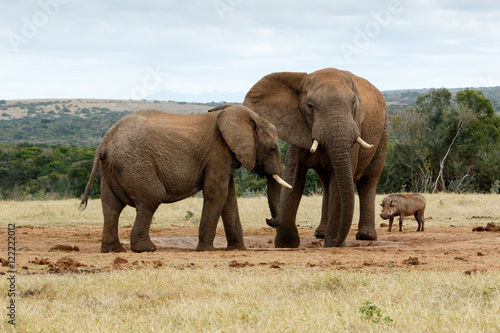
point(234, 247)
point(205, 247)
point(366, 235)
point(143, 246)
point(286, 241)
point(272, 222)
point(320, 233)
point(335, 244)
point(112, 247)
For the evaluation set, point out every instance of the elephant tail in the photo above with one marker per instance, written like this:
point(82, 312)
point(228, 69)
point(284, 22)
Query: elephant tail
point(97, 158)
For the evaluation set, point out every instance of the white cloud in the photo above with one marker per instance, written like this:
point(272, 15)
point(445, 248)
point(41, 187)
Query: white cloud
point(103, 49)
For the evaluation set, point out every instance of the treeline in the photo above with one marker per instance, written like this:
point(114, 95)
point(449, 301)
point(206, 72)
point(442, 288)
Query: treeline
point(444, 142)
point(53, 172)
point(43, 172)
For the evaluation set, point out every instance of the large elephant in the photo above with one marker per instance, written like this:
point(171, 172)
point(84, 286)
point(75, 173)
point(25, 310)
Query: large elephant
point(151, 157)
point(327, 117)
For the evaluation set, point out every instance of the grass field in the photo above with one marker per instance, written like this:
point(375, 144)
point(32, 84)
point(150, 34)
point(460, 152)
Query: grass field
point(256, 298)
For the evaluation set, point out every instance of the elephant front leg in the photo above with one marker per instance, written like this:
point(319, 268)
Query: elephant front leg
point(215, 195)
point(366, 227)
point(287, 234)
point(231, 220)
point(324, 176)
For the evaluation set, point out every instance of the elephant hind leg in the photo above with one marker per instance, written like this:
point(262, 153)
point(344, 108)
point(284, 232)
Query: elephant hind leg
point(112, 207)
point(139, 236)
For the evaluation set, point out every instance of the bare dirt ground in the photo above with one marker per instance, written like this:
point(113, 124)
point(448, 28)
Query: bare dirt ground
point(438, 248)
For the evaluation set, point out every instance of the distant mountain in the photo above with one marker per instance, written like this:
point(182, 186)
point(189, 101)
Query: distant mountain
point(204, 97)
point(395, 98)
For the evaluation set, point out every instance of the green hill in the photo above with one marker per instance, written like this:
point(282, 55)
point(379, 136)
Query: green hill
point(73, 122)
point(397, 99)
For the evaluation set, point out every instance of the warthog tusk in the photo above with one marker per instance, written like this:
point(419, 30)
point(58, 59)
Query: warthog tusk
point(281, 181)
point(363, 143)
point(314, 146)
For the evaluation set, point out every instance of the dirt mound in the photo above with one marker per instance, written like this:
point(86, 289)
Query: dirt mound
point(63, 264)
point(489, 227)
point(64, 248)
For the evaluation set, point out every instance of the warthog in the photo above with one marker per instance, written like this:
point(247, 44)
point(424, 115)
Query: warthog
point(403, 205)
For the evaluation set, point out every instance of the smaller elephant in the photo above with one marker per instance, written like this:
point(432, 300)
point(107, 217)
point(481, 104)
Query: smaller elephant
point(403, 205)
point(151, 157)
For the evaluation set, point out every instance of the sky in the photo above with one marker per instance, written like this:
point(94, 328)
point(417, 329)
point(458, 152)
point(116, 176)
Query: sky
point(124, 49)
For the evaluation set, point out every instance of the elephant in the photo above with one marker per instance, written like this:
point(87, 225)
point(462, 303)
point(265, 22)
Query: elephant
point(335, 123)
point(151, 157)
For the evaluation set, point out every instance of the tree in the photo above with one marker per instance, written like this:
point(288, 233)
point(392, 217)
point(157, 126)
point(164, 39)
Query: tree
point(443, 144)
point(461, 116)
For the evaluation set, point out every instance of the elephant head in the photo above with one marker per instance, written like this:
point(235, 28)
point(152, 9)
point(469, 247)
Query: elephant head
point(322, 110)
point(252, 139)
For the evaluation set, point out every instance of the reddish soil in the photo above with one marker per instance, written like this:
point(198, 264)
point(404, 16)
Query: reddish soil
point(56, 250)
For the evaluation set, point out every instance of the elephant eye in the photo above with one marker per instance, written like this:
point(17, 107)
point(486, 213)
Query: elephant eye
point(310, 107)
point(272, 150)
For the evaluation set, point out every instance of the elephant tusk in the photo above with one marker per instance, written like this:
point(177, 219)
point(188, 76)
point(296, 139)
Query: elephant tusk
point(363, 143)
point(314, 146)
point(281, 181)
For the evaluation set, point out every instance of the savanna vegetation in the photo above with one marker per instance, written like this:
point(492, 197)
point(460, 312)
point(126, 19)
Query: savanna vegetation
point(439, 141)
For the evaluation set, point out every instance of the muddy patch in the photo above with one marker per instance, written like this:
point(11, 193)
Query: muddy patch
point(262, 243)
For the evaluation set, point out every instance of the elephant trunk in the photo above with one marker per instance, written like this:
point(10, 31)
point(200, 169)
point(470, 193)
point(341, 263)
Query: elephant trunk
point(273, 198)
point(339, 147)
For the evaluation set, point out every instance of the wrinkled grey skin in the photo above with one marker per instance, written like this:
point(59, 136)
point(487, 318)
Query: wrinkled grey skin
point(152, 157)
point(403, 205)
point(333, 107)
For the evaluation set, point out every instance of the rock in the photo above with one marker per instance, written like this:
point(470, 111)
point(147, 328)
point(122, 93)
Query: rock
point(4, 262)
point(412, 261)
point(66, 248)
point(120, 260)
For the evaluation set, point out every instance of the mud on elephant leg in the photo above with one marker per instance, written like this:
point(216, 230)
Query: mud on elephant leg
point(139, 236)
point(112, 207)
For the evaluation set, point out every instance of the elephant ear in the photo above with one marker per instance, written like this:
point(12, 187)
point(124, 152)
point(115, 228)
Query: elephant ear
point(358, 108)
point(276, 98)
point(238, 130)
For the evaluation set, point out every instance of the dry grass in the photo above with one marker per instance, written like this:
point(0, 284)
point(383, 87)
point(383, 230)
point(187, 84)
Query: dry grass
point(256, 300)
point(253, 299)
point(445, 209)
